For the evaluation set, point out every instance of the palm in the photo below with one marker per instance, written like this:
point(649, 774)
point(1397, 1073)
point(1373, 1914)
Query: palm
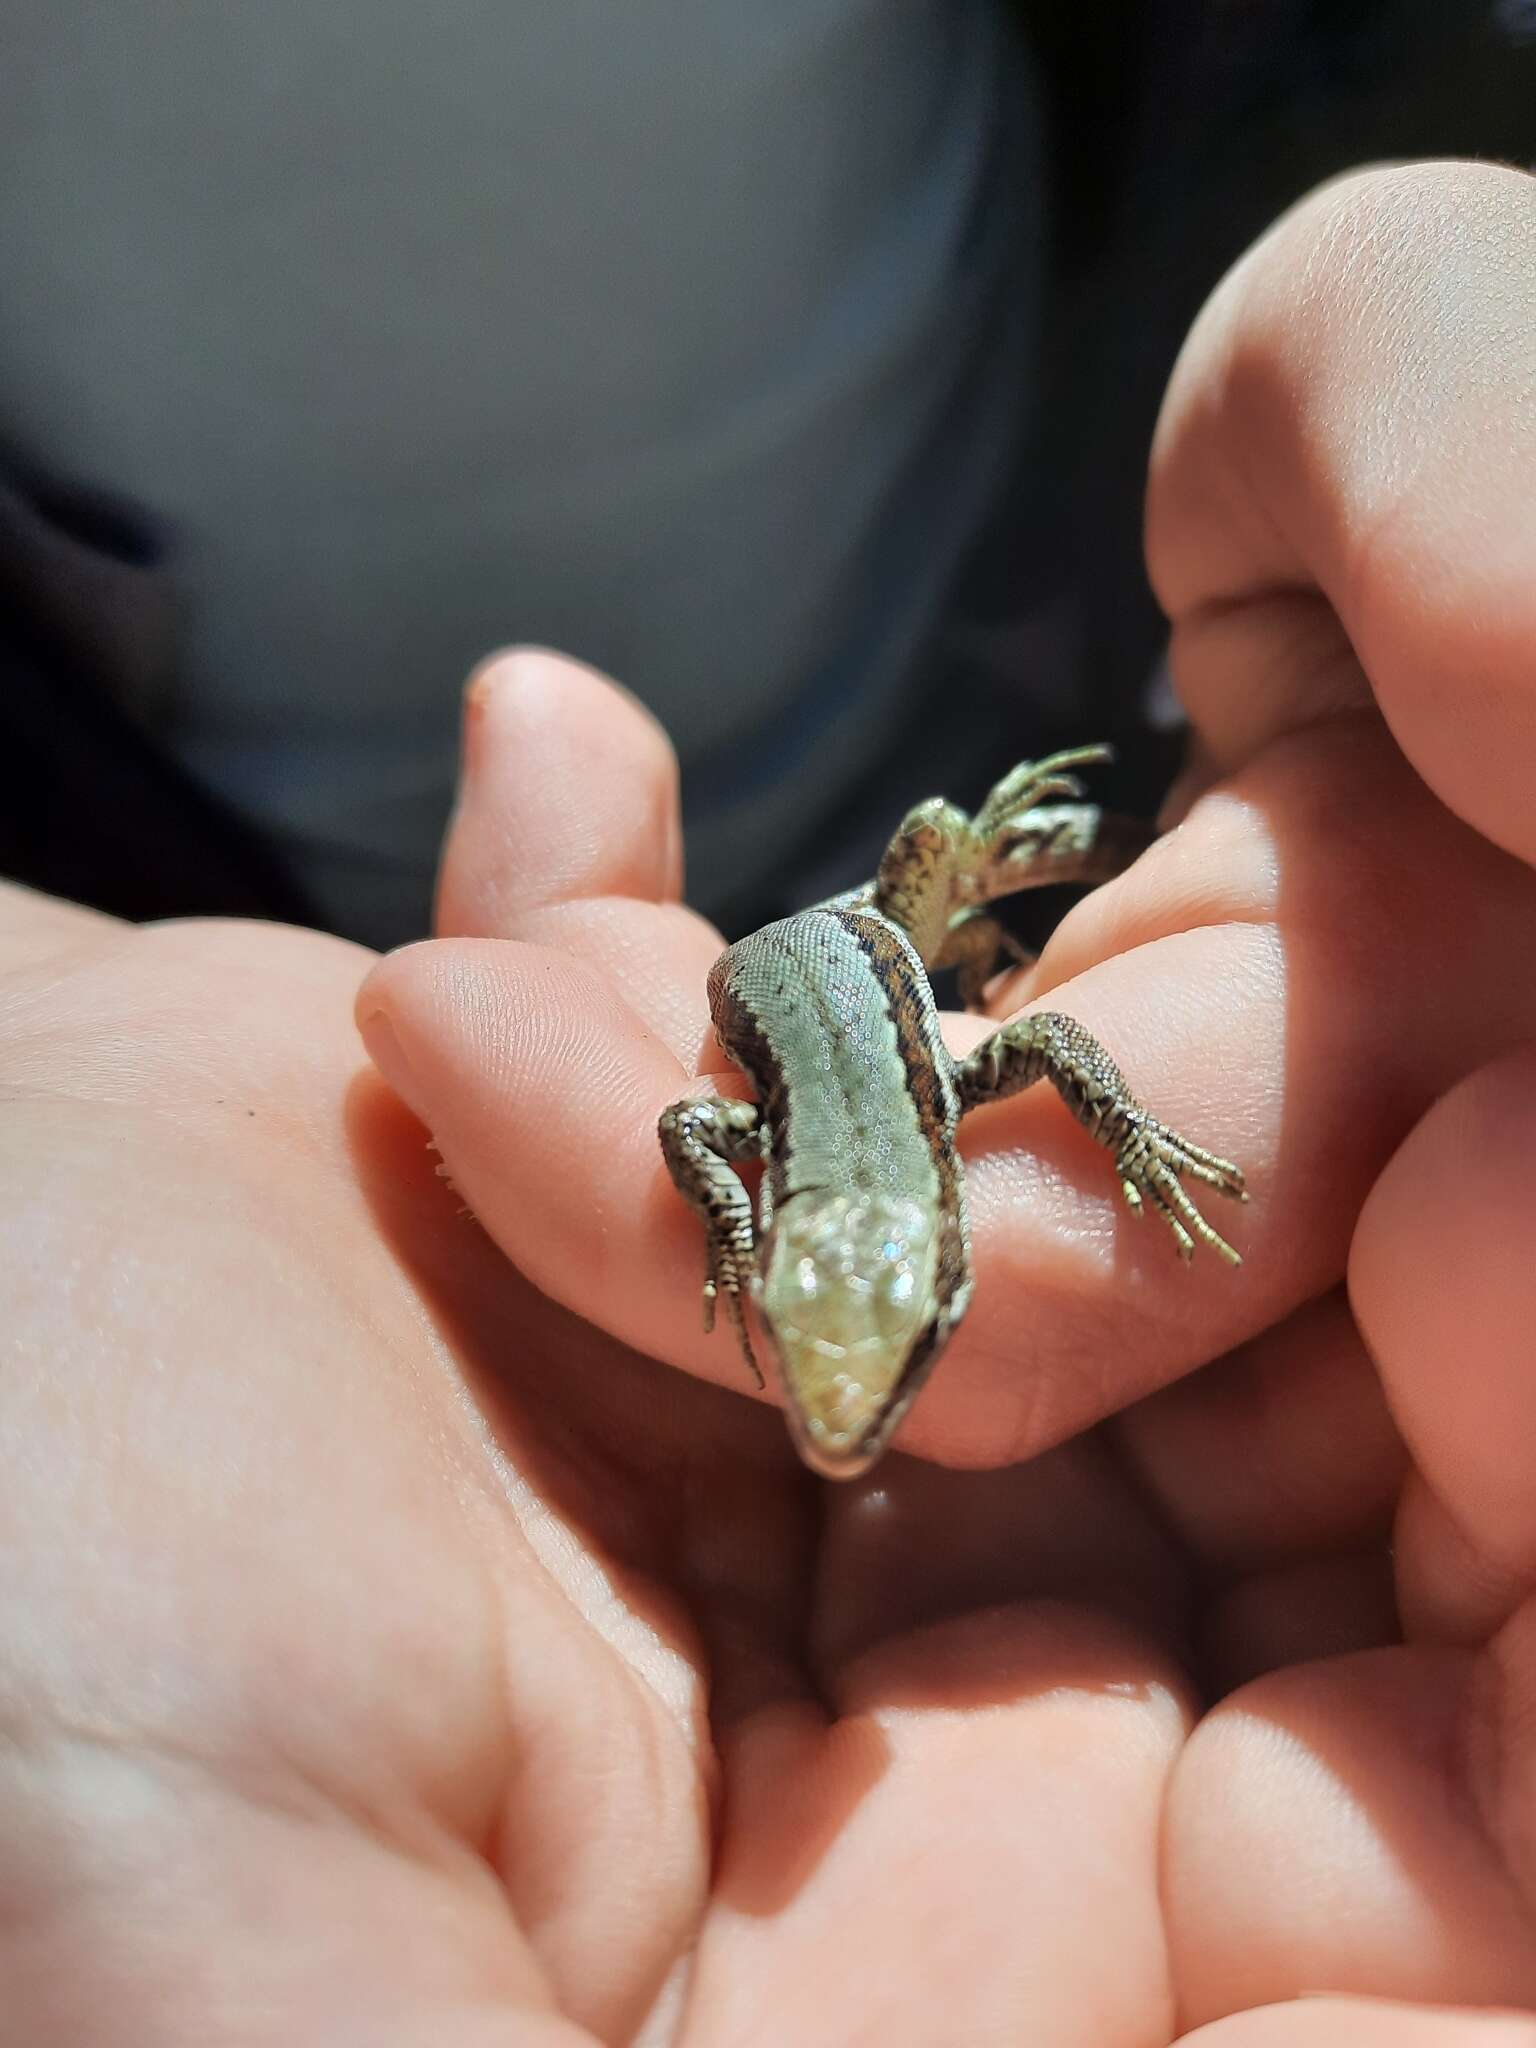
point(407, 1643)
point(463, 1607)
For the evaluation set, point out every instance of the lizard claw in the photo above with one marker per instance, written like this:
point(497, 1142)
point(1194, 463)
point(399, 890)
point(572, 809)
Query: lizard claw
point(739, 1320)
point(1151, 1160)
point(724, 1276)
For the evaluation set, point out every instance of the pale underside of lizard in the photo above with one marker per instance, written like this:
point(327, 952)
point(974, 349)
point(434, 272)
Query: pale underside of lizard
point(857, 1259)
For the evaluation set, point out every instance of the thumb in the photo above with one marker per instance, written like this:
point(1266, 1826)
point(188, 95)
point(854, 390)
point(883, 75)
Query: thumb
point(1345, 456)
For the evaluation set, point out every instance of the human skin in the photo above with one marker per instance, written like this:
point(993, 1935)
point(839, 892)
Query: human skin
point(391, 1652)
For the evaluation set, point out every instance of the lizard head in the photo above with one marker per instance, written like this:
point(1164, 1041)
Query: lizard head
point(851, 1297)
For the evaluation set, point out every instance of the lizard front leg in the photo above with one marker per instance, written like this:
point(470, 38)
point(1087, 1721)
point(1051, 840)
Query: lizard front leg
point(1148, 1156)
point(703, 1140)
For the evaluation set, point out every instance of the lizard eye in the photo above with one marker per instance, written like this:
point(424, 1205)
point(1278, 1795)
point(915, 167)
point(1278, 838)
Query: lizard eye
point(901, 1287)
point(895, 1287)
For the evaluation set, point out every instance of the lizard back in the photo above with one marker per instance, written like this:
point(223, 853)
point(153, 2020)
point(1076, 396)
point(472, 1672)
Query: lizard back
point(832, 1015)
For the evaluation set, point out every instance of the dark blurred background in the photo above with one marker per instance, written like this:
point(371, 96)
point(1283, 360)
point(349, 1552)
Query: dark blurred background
point(191, 721)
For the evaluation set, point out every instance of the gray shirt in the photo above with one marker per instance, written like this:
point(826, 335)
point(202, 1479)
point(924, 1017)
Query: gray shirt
point(691, 338)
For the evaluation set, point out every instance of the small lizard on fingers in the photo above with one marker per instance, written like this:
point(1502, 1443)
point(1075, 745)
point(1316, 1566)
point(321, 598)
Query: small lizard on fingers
point(858, 1257)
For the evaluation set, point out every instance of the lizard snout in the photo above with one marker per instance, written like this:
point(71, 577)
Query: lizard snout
point(848, 1295)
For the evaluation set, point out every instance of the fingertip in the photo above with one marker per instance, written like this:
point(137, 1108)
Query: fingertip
point(373, 1013)
point(1439, 1259)
point(1444, 1290)
point(1340, 483)
point(544, 684)
point(568, 788)
point(1350, 1774)
point(495, 1016)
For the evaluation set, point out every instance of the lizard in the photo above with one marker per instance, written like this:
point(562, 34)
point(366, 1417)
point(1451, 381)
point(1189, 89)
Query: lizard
point(858, 1258)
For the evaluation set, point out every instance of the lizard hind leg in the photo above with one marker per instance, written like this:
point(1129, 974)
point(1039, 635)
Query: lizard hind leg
point(1032, 783)
point(940, 861)
point(975, 944)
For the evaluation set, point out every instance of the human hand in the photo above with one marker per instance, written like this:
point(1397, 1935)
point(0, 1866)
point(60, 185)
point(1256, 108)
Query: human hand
point(1329, 945)
point(383, 1646)
point(389, 1657)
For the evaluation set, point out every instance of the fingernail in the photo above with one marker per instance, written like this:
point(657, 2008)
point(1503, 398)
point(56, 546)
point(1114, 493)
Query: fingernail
point(478, 694)
point(386, 1051)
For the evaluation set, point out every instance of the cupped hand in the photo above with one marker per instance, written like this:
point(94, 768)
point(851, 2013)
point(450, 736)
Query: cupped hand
point(1327, 972)
point(389, 1657)
point(390, 1654)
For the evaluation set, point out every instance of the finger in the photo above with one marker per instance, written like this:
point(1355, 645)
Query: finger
point(1278, 1470)
point(542, 1090)
point(953, 1857)
point(1294, 1614)
point(1344, 462)
point(1364, 2023)
point(34, 926)
point(568, 788)
point(1062, 1527)
point(1444, 1287)
point(657, 954)
point(1327, 1828)
point(1258, 961)
point(1281, 1452)
point(566, 834)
